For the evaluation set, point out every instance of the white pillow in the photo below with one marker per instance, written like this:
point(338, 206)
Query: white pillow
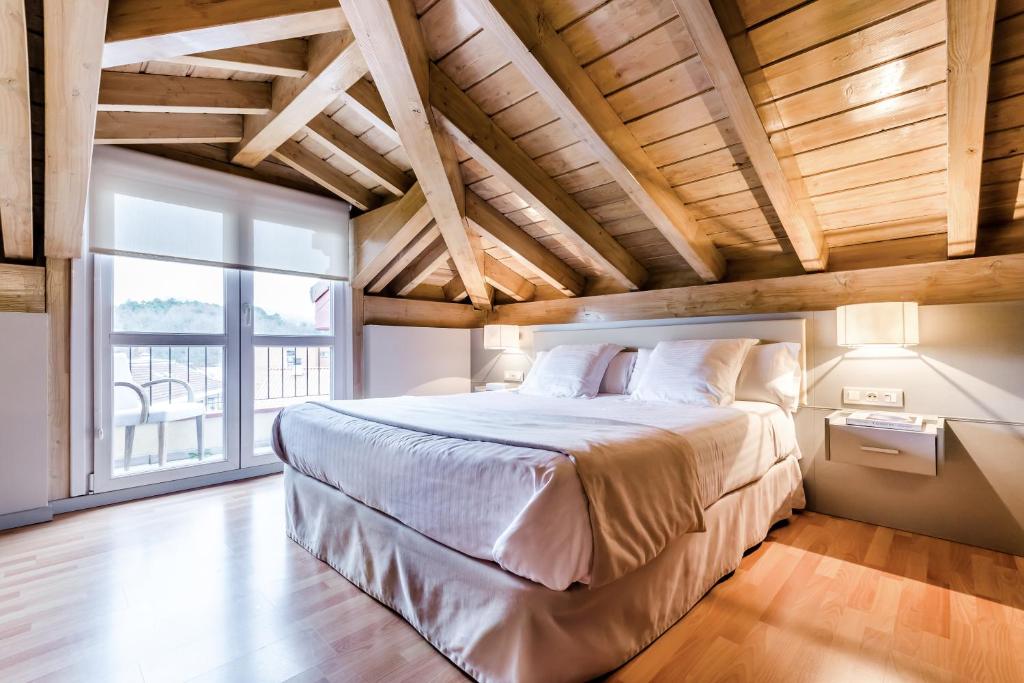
point(642, 357)
point(695, 371)
point(617, 376)
point(570, 371)
point(771, 373)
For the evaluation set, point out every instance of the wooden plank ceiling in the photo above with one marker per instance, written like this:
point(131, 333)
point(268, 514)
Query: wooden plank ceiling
point(578, 147)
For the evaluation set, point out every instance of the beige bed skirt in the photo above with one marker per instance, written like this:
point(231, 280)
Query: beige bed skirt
point(496, 626)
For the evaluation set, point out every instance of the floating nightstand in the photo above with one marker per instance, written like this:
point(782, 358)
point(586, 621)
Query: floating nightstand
point(916, 452)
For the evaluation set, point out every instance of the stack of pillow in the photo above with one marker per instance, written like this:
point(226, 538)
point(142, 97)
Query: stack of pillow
point(706, 372)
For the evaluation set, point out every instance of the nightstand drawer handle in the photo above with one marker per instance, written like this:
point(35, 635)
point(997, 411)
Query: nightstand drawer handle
point(875, 449)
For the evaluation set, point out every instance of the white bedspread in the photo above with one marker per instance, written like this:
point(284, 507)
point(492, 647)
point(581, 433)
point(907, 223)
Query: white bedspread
point(504, 499)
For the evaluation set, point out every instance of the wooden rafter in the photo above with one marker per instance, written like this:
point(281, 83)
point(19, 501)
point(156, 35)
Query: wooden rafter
point(22, 288)
point(521, 29)
point(382, 310)
point(392, 42)
point(783, 185)
point(405, 257)
point(133, 128)
point(498, 153)
point(379, 236)
point(141, 30)
point(321, 172)
point(363, 96)
point(73, 46)
point(506, 280)
point(970, 24)
point(15, 134)
point(455, 289)
point(522, 247)
point(335, 63)
point(277, 58)
point(336, 138)
point(422, 267)
point(181, 94)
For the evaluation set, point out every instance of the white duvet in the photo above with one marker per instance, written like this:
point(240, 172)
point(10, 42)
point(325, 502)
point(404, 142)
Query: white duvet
point(501, 498)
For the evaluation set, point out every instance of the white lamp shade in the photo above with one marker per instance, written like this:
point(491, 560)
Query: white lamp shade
point(890, 323)
point(501, 337)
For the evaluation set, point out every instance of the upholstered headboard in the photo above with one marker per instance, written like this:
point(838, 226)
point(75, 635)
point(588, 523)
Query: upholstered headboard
point(647, 335)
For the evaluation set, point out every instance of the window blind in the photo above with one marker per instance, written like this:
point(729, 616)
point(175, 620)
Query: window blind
point(143, 205)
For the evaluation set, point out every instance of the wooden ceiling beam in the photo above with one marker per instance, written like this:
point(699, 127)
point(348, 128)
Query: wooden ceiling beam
point(72, 48)
point(455, 289)
point(512, 239)
point(336, 138)
point(405, 257)
point(476, 133)
point(335, 63)
point(783, 184)
point(422, 267)
point(994, 278)
point(969, 25)
point(321, 172)
point(393, 44)
point(382, 310)
point(134, 128)
point(121, 91)
point(15, 133)
point(364, 97)
point(142, 30)
point(378, 237)
point(277, 58)
point(22, 288)
point(506, 280)
point(520, 28)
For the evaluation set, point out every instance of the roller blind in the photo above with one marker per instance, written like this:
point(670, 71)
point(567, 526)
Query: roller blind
point(143, 205)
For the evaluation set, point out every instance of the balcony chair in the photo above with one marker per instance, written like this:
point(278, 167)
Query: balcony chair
point(132, 408)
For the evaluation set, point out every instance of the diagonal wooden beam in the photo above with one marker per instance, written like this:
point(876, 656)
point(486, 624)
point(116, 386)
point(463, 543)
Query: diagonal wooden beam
point(392, 41)
point(319, 171)
point(365, 98)
point(181, 94)
point(15, 133)
point(335, 63)
point(784, 185)
point(277, 58)
point(141, 30)
point(378, 237)
point(455, 289)
point(422, 267)
point(490, 223)
point(476, 133)
point(72, 48)
point(969, 25)
point(336, 138)
point(506, 280)
point(133, 128)
point(519, 26)
point(406, 256)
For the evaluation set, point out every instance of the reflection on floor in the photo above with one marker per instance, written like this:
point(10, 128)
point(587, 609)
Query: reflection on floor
point(205, 586)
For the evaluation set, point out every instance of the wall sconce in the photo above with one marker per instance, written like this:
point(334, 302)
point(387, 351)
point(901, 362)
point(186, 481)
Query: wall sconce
point(501, 337)
point(888, 323)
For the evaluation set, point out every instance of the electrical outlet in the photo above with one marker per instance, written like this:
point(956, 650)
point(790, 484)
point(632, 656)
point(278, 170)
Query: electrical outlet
point(513, 375)
point(873, 396)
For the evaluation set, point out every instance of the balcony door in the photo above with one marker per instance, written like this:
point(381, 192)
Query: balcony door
point(193, 363)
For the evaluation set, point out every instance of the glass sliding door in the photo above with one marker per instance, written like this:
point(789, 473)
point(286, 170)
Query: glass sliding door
point(166, 363)
point(288, 341)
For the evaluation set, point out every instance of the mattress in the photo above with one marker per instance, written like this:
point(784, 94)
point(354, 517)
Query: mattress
point(521, 507)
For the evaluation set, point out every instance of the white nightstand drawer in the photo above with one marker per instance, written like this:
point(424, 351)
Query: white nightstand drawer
point(890, 449)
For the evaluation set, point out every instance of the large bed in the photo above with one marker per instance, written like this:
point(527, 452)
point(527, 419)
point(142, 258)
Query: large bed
point(536, 538)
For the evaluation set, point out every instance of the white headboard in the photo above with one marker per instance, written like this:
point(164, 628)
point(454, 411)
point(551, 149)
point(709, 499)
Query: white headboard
point(646, 335)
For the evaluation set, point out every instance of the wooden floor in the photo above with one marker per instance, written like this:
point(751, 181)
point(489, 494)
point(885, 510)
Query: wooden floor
point(204, 586)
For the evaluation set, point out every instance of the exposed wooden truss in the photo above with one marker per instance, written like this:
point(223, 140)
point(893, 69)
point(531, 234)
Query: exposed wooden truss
point(141, 128)
point(335, 137)
point(15, 134)
point(22, 288)
point(969, 53)
point(419, 269)
point(178, 94)
point(409, 254)
point(321, 172)
point(378, 237)
point(394, 50)
point(277, 58)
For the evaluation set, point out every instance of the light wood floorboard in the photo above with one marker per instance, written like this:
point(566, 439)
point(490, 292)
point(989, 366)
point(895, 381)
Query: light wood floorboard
point(205, 586)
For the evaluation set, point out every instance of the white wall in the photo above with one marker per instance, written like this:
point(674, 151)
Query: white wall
point(417, 361)
point(969, 368)
point(23, 438)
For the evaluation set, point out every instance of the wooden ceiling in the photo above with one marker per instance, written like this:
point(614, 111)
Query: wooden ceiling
point(516, 150)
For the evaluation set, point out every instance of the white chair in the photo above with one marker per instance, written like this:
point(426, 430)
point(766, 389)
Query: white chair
point(132, 408)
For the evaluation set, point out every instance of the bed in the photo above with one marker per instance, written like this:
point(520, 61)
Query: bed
point(536, 538)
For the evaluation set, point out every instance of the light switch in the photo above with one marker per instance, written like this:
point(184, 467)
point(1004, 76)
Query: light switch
point(870, 396)
point(513, 375)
